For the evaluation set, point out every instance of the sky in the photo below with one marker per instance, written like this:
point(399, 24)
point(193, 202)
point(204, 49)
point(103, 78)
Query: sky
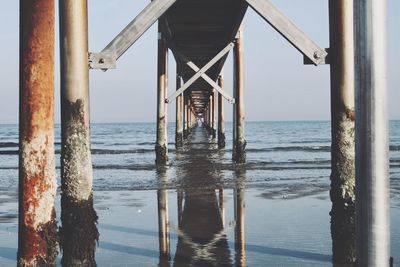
point(277, 84)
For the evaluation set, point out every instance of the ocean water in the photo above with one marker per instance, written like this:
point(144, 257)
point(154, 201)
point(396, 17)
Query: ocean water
point(283, 187)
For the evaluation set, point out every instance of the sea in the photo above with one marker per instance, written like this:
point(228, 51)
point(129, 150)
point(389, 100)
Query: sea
point(271, 211)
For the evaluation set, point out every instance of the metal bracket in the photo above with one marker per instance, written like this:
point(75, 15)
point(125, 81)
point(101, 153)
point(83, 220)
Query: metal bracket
point(204, 76)
point(200, 72)
point(130, 34)
point(289, 31)
point(102, 60)
point(307, 61)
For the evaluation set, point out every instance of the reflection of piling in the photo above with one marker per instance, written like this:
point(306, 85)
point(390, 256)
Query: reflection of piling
point(180, 206)
point(240, 234)
point(221, 116)
point(221, 205)
point(342, 120)
point(161, 144)
point(163, 232)
point(179, 119)
point(372, 183)
point(240, 142)
point(78, 232)
point(37, 239)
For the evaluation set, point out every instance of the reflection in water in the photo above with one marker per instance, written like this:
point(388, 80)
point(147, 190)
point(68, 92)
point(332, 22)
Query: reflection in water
point(239, 202)
point(163, 231)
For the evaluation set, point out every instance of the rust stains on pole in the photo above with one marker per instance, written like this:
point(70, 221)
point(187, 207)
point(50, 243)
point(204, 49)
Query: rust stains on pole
point(178, 118)
point(342, 191)
point(240, 141)
point(185, 116)
point(79, 232)
point(37, 239)
point(161, 144)
point(221, 116)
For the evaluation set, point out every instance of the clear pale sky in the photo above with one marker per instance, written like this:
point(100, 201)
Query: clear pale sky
point(277, 85)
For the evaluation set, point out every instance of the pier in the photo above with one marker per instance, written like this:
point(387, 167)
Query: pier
point(200, 35)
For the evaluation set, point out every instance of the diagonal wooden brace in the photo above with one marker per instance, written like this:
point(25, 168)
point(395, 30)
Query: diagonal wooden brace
point(200, 72)
point(289, 31)
point(129, 35)
point(205, 77)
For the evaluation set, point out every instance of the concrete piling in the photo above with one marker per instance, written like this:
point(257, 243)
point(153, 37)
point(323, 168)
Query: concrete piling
point(179, 114)
point(221, 116)
point(239, 154)
point(78, 232)
point(342, 191)
point(214, 116)
point(371, 133)
point(37, 227)
point(161, 143)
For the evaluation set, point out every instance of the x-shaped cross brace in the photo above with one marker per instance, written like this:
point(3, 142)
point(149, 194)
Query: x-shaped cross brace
point(202, 73)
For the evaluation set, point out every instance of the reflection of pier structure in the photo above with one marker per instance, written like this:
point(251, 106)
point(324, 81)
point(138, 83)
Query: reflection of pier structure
point(200, 34)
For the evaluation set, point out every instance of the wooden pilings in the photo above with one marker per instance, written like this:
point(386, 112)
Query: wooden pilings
point(163, 231)
point(37, 228)
point(239, 154)
point(161, 142)
point(371, 133)
point(78, 233)
point(221, 116)
point(342, 191)
point(179, 114)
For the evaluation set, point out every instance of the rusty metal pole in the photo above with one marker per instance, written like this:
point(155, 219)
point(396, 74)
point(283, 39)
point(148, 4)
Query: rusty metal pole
point(221, 116)
point(371, 131)
point(37, 227)
point(161, 144)
point(342, 191)
point(178, 116)
point(79, 232)
point(240, 141)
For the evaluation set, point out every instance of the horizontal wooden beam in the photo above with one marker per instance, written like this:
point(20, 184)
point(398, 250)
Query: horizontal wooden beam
point(289, 31)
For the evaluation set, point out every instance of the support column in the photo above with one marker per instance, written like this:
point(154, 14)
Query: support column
point(161, 145)
point(221, 116)
point(342, 191)
point(179, 112)
point(214, 117)
point(37, 227)
point(185, 116)
point(371, 133)
point(240, 141)
point(79, 232)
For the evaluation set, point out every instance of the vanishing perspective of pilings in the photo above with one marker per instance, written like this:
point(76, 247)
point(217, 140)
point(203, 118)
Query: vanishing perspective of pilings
point(239, 154)
point(37, 227)
point(372, 149)
point(359, 121)
point(78, 232)
point(221, 116)
point(161, 142)
point(342, 191)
